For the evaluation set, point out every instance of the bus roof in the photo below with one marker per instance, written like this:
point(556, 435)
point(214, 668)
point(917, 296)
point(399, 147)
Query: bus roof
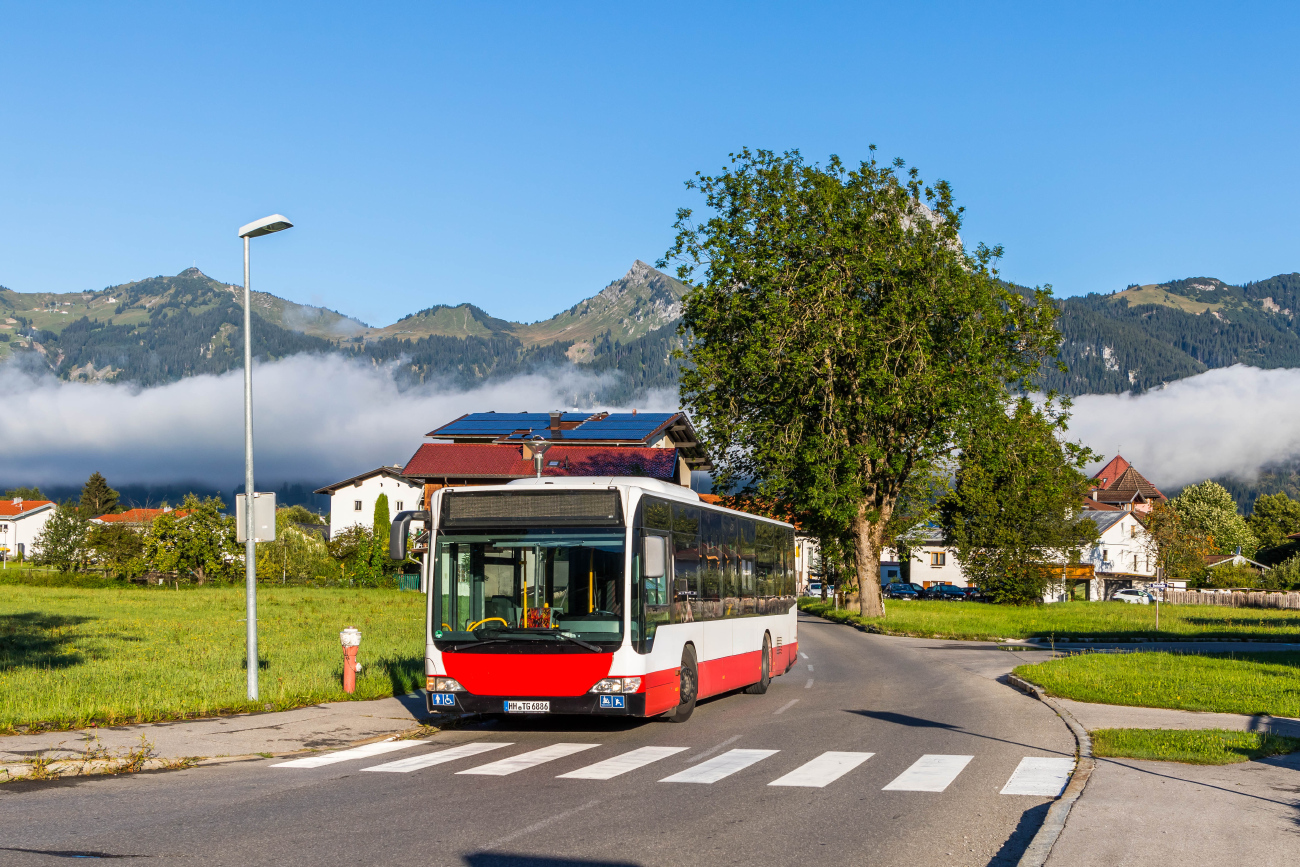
point(656, 487)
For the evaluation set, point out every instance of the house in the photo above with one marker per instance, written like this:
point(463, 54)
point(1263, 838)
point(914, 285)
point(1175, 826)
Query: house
point(1122, 556)
point(352, 501)
point(933, 560)
point(1121, 486)
point(1215, 561)
point(21, 521)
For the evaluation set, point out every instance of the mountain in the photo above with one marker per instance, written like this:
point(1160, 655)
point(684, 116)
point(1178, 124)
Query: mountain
point(166, 328)
point(1145, 336)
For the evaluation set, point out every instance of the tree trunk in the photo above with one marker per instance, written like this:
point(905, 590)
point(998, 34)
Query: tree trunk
point(867, 538)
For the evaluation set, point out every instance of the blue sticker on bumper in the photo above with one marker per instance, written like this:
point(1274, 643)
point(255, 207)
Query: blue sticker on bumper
point(612, 701)
point(443, 699)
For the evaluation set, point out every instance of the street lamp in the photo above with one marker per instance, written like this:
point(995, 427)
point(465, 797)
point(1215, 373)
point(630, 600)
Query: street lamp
point(255, 229)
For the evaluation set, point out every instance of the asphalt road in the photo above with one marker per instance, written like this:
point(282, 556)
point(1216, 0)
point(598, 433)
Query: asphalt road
point(851, 694)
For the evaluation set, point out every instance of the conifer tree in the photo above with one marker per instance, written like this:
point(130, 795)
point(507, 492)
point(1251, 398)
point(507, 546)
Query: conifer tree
point(379, 561)
point(97, 498)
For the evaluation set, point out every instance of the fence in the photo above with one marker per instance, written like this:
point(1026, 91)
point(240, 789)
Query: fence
point(1233, 599)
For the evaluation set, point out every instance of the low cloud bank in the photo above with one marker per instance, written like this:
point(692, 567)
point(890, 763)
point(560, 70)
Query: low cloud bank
point(1226, 422)
point(315, 418)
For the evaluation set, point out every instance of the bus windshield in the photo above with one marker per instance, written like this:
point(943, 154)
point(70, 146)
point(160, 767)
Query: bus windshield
point(529, 584)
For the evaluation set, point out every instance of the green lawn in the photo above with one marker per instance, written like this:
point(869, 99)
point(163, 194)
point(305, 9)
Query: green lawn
point(1073, 620)
point(1195, 746)
point(1249, 683)
point(72, 656)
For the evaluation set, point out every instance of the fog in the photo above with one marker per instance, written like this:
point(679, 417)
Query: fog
point(324, 418)
point(1226, 422)
point(316, 418)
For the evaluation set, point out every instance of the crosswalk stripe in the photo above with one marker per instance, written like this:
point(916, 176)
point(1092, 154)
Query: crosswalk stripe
point(722, 766)
point(523, 761)
point(823, 770)
point(415, 763)
point(364, 751)
point(1040, 775)
point(611, 768)
point(930, 773)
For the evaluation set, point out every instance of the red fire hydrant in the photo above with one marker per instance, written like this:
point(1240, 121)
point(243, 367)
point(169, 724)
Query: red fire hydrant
point(350, 638)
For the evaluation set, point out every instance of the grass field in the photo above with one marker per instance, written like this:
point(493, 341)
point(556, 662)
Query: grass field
point(1249, 683)
point(72, 656)
point(1195, 746)
point(1065, 620)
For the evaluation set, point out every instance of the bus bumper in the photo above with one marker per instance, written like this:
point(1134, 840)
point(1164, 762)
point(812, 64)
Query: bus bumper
point(633, 704)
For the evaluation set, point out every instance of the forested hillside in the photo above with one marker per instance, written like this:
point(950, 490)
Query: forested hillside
point(1148, 335)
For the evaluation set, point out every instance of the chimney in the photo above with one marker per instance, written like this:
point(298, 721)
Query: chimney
point(556, 415)
point(1094, 495)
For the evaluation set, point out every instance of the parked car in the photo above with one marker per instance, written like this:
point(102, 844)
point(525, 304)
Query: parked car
point(950, 592)
point(974, 594)
point(815, 589)
point(899, 590)
point(1133, 596)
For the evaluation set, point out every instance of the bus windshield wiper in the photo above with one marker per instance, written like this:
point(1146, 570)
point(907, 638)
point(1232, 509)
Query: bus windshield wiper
point(578, 641)
point(474, 644)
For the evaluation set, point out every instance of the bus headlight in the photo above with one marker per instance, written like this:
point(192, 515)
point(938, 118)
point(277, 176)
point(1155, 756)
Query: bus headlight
point(445, 684)
point(617, 684)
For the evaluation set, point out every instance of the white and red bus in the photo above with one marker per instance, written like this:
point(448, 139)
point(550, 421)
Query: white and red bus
point(616, 595)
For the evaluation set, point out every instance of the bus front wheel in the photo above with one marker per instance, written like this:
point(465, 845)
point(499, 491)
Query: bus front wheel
point(688, 689)
point(765, 671)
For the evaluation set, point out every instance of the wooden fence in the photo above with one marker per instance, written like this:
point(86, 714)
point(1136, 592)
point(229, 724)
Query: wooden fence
point(1234, 599)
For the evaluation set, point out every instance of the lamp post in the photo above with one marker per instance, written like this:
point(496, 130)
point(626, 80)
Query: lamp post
point(255, 229)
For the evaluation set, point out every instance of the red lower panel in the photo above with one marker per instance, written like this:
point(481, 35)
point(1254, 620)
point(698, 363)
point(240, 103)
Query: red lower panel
point(661, 698)
point(527, 674)
point(730, 672)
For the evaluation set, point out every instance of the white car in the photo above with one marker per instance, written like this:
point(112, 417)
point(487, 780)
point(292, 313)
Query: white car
point(1133, 596)
point(814, 589)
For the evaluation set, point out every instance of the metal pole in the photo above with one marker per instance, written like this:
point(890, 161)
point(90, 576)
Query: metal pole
point(250, 549)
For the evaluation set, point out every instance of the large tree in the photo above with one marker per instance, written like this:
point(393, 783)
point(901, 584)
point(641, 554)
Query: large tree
point(97, 498)
point(1274, 518)
point(195, 541)
point(1014, 513)
point(841, 337)
point(1209, 509)
point(62, 541)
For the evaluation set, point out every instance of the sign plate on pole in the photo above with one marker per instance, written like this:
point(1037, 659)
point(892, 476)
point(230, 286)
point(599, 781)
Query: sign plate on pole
point(263, 517)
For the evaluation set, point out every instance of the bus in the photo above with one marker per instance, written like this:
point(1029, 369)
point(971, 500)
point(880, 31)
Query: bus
point(615, 595)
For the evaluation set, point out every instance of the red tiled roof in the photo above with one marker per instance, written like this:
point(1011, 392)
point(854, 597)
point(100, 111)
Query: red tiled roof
point(138, 516)
point(1110, 473)
point(479, 461)
point(1098, 506)
point(9, 510)
point(1134, 482)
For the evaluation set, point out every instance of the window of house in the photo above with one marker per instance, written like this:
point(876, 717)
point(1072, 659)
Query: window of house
point(400, 505)
point(1133, 531)
point(356, 505)
point(1105, 553)
point(938, 558)
point(1135, 562)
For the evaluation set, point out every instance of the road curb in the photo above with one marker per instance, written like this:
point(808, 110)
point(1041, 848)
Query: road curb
point(1036, 854)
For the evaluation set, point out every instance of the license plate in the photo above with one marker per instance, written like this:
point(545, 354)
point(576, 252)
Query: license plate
point(444, 699)
point(612, 701)
point(528, 707)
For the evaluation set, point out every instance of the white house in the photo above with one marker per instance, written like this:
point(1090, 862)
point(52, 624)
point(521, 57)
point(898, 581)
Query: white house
point(352, 501)
point(21, 521)
point(1122, 556)
point(933, 560)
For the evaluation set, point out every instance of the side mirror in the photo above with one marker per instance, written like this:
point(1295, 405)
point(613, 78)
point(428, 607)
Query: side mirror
point(654, 561)
point(398, 533)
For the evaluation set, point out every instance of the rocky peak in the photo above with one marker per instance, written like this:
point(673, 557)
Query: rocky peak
point(193, 272)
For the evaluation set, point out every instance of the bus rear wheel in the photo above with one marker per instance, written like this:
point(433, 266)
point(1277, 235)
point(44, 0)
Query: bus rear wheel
point(765, 675)
point(688, 690)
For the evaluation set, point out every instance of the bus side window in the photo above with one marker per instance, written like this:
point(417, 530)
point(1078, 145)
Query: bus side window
point(711, 567)
point(687, 607)
point(657, 515)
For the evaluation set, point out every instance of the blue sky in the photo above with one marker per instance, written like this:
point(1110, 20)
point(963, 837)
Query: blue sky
point(521, 156)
